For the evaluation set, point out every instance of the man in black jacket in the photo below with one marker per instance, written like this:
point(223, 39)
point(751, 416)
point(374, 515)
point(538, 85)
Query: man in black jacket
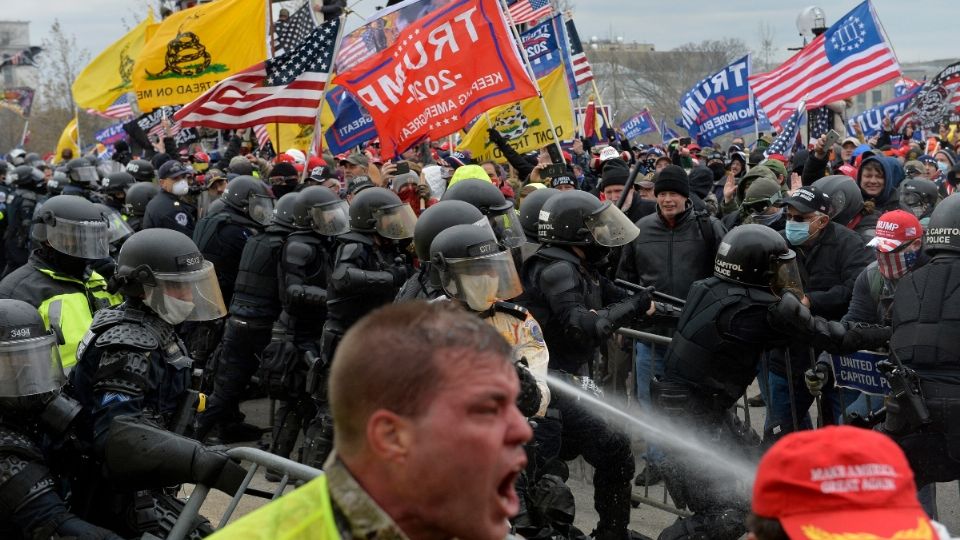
point(830, 257)
point(676, 247)
point(168, 210)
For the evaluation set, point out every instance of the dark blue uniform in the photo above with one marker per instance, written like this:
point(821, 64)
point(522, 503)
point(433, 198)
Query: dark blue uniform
point(168, 211)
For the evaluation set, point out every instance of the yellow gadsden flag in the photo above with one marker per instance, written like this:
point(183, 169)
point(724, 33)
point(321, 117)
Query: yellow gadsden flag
point(196, 48)
point(524, 123)
point(69, 139)
point(108, 76)
point(287, 136)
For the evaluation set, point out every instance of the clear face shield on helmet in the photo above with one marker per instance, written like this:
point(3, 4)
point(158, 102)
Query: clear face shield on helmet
point(30, 366)
point(81, 239)
point(106, 168)
point(506, 226)
point(915, 204)
point(117, 228)
point(481, 281)
point(186, 296)
point(330, 219)
point(786, 275)
point(395, 222)
point(87, 175)
point(260, 208)
point(610, 227)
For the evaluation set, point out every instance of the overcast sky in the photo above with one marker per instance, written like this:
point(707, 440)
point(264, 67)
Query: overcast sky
point(918, 30)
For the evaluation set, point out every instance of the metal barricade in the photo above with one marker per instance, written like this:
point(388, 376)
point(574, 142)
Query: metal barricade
point(291, 470)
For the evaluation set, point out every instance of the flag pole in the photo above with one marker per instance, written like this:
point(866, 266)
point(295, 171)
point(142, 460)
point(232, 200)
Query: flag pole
point(76, 116)
point(23, 136)
point(533, 77)
point(323, 93)
point(602, 112)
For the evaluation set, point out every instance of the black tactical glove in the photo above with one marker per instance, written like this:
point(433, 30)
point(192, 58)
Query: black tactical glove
point(528, 401)
point(216, 469)
point(300, 294)
point(790, 312)
point(399, 273)
point(865, 336)
point(816, 378)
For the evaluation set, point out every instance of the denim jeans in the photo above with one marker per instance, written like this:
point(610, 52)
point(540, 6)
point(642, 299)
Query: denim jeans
point(648, 363)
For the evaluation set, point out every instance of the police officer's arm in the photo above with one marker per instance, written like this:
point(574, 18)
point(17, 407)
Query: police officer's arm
point(835, 337)
point(863, 306)
point(295, 262)
point(349, 277)
point(853, 259)
point(533, 349)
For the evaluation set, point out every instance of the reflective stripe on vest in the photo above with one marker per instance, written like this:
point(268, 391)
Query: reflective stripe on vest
point(303, 514)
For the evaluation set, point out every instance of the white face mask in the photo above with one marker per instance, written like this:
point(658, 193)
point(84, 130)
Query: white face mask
point(175, 311)
point(181, 187)
point(480, 291)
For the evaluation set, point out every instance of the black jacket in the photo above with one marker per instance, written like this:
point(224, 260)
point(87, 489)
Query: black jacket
point(671, 259)
point(167, 211)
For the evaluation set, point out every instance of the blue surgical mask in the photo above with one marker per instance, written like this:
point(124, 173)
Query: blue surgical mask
point(943, 167)
point(768, 219)
point(797, 233)
point(924, 222)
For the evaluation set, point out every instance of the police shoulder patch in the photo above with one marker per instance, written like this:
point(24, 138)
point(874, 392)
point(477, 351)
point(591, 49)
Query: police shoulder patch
point(534, 328)
point(181, 218)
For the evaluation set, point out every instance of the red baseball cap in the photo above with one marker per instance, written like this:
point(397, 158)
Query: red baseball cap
point(893, 229)
point(839, 482)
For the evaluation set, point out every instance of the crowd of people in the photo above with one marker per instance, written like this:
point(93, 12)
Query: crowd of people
point(407, 315)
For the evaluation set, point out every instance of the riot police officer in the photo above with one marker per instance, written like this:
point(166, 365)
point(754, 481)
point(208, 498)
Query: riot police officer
point(490, 200)
point(919, 196)
point(291, 365)
point(141, 170)
point(35, 421)
point(131, 361)
point(579, 308)
point(425, 281)
point(114, 189)
point(135, 205)
point(29, 184)
point(529, 219)
point(70, 233)
point(253, 309)
point(248, 208)
point(923, 420)
point(83, 178)
point(169, 209)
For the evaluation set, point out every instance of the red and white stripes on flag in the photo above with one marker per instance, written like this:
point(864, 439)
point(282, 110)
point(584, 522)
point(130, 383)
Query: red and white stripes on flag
point(524, 11)
point(851, 57)
point(582, 72)
point(118, 110)
point(157, 130)
point(263, 137)
point(286, 89)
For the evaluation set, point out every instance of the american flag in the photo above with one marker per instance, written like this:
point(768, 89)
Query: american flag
point(851, 57)
point(785, 141)
point(821, 121)
point(263, 137)
point(582, 72)
point(290, 34)
point(524, 11)
point(21, 58)
point(285, 89)
point(118, 110)
point(157, 130)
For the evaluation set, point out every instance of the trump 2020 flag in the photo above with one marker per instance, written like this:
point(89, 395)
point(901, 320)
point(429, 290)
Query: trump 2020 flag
point(871, 120)
point(352, 126)
point(640, 124)
point(442, 71)
point(543, 47)
point(851, 57)
point(718, 104)
point(666, 133)
point(784, 142)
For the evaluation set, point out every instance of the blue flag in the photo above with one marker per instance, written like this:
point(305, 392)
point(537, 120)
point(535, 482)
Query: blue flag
point(784, 142)
point(719, 103)
point(543, 47)
point(871, 120)
point(574, 60)
point(640, 124)
point(352, 127)
point(667, 133)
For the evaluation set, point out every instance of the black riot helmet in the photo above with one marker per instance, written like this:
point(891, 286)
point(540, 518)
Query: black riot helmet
point(73, 226)
point(59, 179)
point(439, 217)
point(578, 218)
point(320, 209)
point(142, 170)
point(138, 195)
point(81, 173)
point(474, 268)
point(116, 183)
point(846, 200)
point(30, 368)
point(489, 200)
point(758, 256)
point(918, 196)
point(250, 197)
point(32, 158)
point(117, 228)
point(379, 210)
point(283, 211)
point(942, 236)
point(530, 210)
point(17, 157)
point(166, 269)
point(27, 177)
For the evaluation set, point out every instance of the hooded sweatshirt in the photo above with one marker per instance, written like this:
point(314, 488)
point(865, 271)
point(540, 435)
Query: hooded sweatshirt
point(892, 174)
